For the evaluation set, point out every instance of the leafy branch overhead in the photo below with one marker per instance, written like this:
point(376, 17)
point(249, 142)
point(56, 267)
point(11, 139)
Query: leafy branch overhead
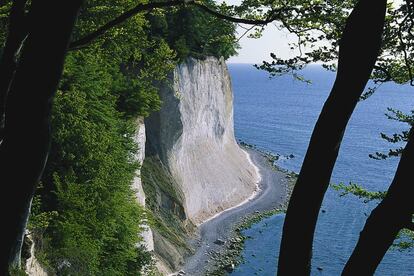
point(318, 26)
point(299, 17)
point(147, 7)
point(358, 191)
point(397, 138)
point(405, 238)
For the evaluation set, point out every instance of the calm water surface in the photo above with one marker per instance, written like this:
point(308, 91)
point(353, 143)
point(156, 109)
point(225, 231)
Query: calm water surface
point(278, 115)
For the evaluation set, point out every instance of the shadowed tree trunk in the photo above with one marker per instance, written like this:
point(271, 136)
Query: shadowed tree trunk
point(359, 48)
point(8, 62)
point(25, 146)
point(393, 214)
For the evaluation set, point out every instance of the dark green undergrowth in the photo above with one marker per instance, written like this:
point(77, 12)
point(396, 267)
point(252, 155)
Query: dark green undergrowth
point(156, 179)
point(164, 200)
point(192, 32)
point(17, 272)
point(86, 219)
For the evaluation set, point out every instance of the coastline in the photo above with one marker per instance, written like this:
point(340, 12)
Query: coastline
point(271, 193)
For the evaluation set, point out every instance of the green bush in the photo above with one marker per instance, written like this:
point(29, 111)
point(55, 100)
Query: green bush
point(88, 178)
point(194, 33)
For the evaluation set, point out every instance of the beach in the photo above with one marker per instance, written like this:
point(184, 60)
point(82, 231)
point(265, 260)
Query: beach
point(271, 193)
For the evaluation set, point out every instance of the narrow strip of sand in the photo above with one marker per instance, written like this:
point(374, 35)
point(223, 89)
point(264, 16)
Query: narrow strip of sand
point(272, 194)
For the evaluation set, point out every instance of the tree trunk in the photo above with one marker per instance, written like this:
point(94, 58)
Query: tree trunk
point(385, 222)
point(17, 33)
point(359, 48)
point(25, 146)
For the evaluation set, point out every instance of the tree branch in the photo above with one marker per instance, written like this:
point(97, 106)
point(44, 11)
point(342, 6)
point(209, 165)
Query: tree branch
point(118, 20)
point(247, 30)
point(272, 16)
point(82, 42)
point(388, 76)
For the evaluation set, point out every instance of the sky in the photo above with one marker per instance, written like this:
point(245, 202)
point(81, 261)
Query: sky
point(257, 50)
point(273, 40)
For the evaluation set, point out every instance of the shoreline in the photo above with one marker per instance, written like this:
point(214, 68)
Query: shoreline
point(219, 230)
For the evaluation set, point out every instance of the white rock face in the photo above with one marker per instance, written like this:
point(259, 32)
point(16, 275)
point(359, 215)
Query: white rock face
point(33, 267)
point(194, 137)
point(140, 139)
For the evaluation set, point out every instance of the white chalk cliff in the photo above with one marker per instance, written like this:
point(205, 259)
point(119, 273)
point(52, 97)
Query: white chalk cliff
point(32, 266)
point(146, 234)
point(193, 135)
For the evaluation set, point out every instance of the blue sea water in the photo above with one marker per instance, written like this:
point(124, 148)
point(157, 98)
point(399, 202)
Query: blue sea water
point(278, 115)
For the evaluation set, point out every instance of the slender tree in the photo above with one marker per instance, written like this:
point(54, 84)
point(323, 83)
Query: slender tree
point(359, 48)
point(393, 214)
point(25, 146)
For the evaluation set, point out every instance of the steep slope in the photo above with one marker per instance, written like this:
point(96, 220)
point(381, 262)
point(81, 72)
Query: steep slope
point(193, 135)
point(140, 138)
point(193, 167)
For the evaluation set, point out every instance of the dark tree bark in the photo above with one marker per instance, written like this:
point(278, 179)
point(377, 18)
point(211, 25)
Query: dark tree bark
point(25, 146)
point(359, 49)
point(17, 33)
point(393, 214)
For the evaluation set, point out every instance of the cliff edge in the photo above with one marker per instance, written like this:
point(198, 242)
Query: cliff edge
point(193, 136)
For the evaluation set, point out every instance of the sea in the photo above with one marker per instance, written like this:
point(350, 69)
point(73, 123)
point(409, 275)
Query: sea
point(278, 115)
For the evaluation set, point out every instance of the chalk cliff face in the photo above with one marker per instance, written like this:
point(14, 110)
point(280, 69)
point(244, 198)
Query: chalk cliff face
point(140, 138)
point(32, 266)
point(193, 136)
